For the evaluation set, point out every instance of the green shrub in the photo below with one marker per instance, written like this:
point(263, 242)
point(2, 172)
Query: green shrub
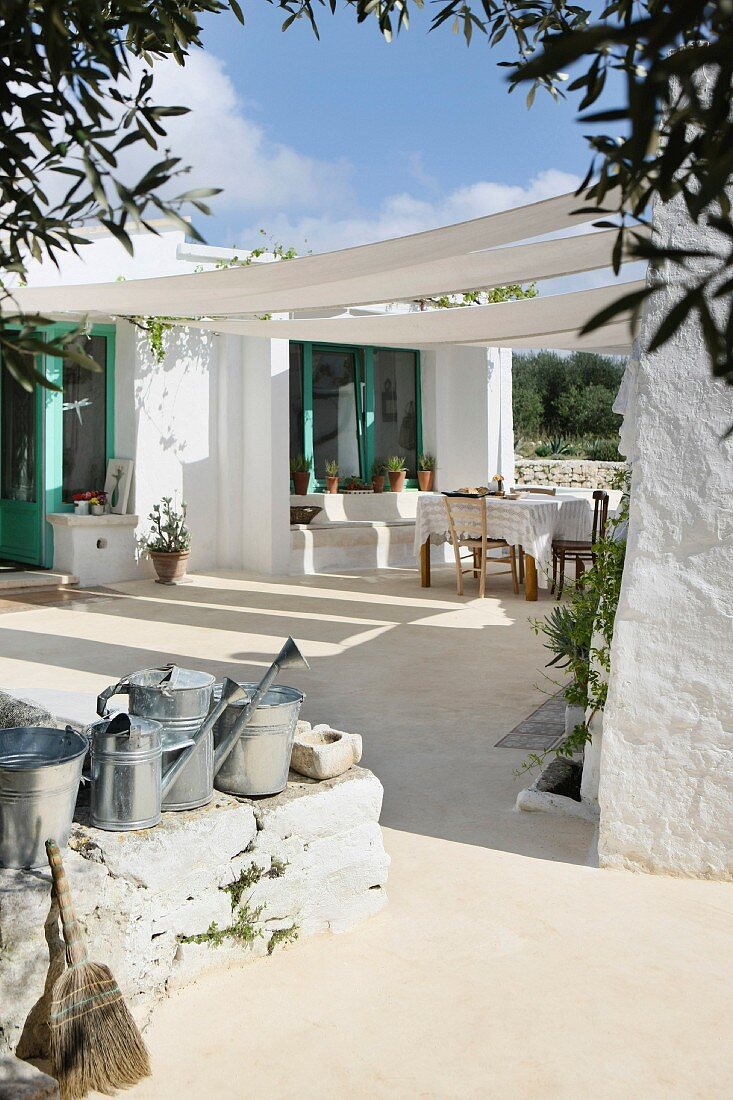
point(604, 450)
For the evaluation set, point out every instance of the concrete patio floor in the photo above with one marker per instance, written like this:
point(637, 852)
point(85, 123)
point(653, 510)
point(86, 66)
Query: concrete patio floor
point(505, 965)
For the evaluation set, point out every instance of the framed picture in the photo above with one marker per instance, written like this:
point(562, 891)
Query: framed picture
point(117, 484)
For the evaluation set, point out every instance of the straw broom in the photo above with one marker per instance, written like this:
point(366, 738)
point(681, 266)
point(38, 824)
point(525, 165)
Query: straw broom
point(95, 1043)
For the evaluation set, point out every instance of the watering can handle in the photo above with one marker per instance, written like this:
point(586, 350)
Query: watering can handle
point(122, 687)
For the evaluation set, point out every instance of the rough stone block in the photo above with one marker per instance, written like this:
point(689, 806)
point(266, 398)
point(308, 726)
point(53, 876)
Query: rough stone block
point(21, 1081)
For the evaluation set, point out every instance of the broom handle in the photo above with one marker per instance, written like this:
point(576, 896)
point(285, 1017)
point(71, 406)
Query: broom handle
point(76, 951)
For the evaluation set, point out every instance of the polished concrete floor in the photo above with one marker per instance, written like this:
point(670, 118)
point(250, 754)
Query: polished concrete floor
point(505, 965)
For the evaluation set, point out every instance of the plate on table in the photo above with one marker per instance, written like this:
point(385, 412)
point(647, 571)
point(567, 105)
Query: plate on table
point(470, 494)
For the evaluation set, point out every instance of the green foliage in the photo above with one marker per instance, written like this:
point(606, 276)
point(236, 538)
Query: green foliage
point(282, 935)
point(395, 463)
point(513, 292)
point(243, 929)
point(332, 468)
point(604, 450)
point(579, 632)
point(247, 878)
point(378, 467)
point(426, 462)
point(299, 464)
point(565, 395)
point(73, 101)
point(168, 531)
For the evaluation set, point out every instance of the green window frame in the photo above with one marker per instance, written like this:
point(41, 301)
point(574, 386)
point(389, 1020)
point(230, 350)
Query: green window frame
point(365, 366)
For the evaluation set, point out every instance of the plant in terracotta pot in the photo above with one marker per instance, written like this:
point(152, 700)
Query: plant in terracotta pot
point(396, 472)
point(300, 471)
point(378, 475)
point(169, 542)
point(332, 476)
point(426, 473)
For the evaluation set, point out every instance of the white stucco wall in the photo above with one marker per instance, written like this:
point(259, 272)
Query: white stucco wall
point(467, 414)
point(666, 785)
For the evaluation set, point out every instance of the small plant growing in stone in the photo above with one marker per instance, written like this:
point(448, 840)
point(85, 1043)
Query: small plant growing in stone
point(282, 935)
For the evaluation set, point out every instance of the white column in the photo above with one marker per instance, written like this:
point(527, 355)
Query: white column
point(467, 413)
point(666, 785)
point(264, 487)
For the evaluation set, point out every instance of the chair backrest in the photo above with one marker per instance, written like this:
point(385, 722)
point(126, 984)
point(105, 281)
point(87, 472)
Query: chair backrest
point(600, 514)
point(542, 491)
point(466, 518)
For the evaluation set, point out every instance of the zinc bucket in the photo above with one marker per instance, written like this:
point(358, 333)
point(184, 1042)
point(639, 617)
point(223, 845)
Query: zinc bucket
point(40, 770)
point(258, 764)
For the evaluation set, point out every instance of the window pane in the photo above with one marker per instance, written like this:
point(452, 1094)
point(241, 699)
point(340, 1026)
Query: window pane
point(85, 421)
point(334, 412)
point(297, 444)
point(395, 407)
point(18, 440)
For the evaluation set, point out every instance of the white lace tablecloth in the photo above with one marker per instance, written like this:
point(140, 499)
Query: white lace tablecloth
point(531, 522)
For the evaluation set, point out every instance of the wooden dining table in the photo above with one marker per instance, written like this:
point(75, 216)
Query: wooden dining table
point(530, 521)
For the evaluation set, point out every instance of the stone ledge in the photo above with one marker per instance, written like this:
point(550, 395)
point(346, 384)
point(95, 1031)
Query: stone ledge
point(308, 860)
point(70, 519)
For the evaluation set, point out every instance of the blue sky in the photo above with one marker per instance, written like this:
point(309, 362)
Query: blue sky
point(352, 139)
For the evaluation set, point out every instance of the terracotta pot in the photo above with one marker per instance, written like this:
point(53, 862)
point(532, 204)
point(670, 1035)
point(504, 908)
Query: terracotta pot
point(397, 480)
point(332, 484)
point(300, 482)
point(171, 568)
point(378, 483)
point(425, 480)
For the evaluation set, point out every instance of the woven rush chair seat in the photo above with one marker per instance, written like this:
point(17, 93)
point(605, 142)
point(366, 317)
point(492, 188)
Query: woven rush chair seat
point(467, 523)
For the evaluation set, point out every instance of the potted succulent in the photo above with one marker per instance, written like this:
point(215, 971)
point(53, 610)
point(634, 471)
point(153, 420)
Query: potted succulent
point(356, 485)
point(81, 503)
point(169, 542)
point(98, 503)
point(396, 472)
point(300, 471)
point(426, 473)
point(332, 476)
point(378, 475)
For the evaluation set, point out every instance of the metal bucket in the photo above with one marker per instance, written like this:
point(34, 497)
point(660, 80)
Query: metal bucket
point(178, 698)
point(40, 770)
point(126, 774)
point(258, 764)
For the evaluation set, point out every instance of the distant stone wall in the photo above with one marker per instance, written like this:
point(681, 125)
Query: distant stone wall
point(577, 473)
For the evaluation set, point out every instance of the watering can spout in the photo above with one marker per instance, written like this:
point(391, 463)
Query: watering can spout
point(290, 655)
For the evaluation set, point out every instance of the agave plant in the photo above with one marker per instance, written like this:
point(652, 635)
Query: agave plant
point(395, 463)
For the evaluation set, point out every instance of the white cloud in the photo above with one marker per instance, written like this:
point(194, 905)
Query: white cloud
point(228, 150)
point(408, 213)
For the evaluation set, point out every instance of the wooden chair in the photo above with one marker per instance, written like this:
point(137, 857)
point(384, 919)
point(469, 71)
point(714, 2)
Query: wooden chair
point(581, 551)
point(544, 491)
point(467, 526)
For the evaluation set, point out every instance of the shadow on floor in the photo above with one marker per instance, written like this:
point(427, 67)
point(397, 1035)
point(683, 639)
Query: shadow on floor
point(431, 680)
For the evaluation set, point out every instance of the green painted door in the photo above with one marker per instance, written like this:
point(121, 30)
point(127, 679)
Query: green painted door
point(21, 472)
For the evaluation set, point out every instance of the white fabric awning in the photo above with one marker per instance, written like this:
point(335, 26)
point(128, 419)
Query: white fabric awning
point(473, 254)
point(454, 258)
point(551, 321)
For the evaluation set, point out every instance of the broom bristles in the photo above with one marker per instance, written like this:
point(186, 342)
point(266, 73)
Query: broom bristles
point(95, 1043)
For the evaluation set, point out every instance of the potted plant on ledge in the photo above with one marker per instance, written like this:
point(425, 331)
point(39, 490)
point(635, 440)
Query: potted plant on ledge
point(426, 473)
point(169, 542)
point(300, 471)
point(378, 475)
point(396, 472)
point(332, 476)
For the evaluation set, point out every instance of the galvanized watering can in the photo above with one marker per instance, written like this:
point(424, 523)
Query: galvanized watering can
point(179, 699)
point(40, 770)
point(135, 761)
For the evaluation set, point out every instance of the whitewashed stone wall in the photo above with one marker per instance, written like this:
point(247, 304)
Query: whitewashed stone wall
point(309, 860)
point(571, 473)
point(666, 784)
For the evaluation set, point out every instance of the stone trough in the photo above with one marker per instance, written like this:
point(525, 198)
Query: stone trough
point(222, 885)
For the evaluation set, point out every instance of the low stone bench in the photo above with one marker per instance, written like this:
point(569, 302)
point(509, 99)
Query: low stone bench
point(352, 544)
point(217, 886)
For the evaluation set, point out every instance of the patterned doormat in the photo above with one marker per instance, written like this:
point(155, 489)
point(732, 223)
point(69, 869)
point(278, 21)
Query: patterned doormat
point(543, 729)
